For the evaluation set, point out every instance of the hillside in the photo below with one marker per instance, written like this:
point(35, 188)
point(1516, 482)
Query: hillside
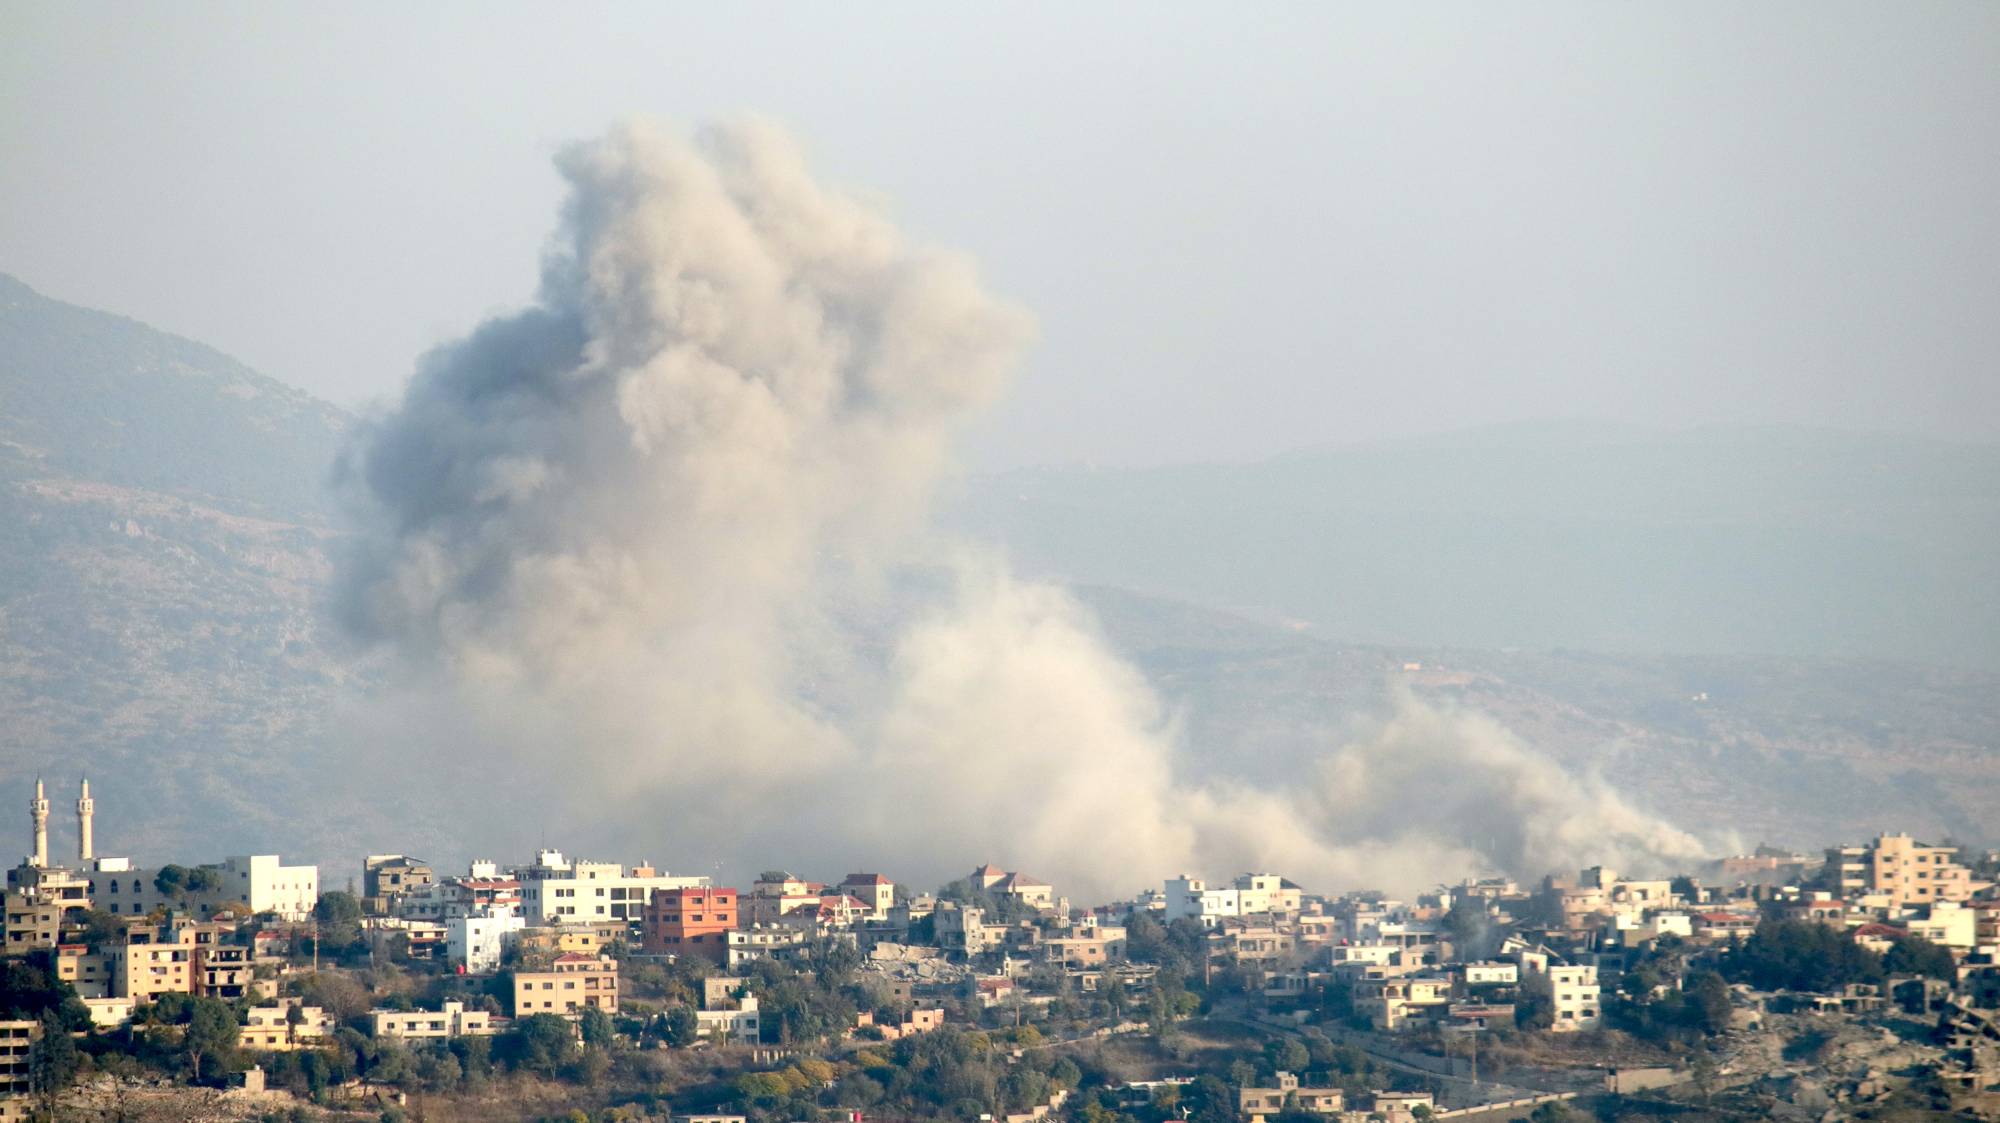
point(1741, 541)
point(163, 545)
point(166, 541)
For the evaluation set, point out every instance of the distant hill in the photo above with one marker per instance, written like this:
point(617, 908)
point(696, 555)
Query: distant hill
point(92, 396)
point(166, 536)
point(163, 546)
point(1711, 541)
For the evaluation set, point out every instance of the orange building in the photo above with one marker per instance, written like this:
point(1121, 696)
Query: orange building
point(691, 921)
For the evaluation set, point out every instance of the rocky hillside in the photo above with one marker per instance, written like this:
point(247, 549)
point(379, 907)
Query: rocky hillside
point(163, 543)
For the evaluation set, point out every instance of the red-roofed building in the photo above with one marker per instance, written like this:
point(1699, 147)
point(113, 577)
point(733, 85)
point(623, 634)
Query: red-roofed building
point(1877, 937)
point(874, 890)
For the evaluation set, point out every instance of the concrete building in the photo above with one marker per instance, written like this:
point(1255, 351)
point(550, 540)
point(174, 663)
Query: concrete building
point(1900, 868)
point(477, 943)
point(748, 945)
point(557, 891)
point(1261, 1103)
point(572, 983)
point(1250, 894)
point(1948, 923)
point(452, 1021)
point(385, 877)
point(963, 928)
point(17, 1045)
point(276, 1029)
point(691, 921)
point(739, 1024)
point(1575, 994)
point(1030, 891)
point(256, 884)
point(873, 890)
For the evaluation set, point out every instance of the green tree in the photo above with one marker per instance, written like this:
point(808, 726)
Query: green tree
point(52, 1062)
point(1801, 955)
point(1914, 955)
point(679, 1026)
point(538, 1043)
point(1709, 1003)
point(170, 880)
point(30, 986)
point(596, 1027)
point(210, 1032)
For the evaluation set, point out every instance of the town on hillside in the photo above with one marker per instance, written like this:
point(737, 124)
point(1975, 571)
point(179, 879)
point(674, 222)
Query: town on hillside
point(1861, 982)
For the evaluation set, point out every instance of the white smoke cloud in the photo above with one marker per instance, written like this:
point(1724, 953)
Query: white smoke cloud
point(639, 549)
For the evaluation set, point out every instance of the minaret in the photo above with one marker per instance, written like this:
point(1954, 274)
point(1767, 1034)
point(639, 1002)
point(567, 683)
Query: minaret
point(85, 807)
point(39, 808)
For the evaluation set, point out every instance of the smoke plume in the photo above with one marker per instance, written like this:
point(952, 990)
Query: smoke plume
point(653, 553)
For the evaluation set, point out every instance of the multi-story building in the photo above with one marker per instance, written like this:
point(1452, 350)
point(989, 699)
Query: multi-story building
point(277, 1029)
point(736, 1024)
point(477, 942)
point(691, 921)
point(873, 890)
point(557, 891)
point(1391, 1003)
point(1574, 993)
point(1094, 950)
point(1250, 894)
point(748, 945)
point(572, 983)
point(223, 970)
point(254, 883)
point(452, 1021)
point(1257, 1104)
point(460, 896)
point(1898, 867)
point(963, 928)
point(31, 922)
point(17, 1046)
point(385, 877)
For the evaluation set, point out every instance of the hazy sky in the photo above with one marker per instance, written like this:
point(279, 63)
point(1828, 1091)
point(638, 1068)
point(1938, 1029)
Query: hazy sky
point(1243, 228)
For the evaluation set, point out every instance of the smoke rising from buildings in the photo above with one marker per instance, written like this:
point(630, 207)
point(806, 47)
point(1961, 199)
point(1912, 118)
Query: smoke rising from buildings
point(646, 549)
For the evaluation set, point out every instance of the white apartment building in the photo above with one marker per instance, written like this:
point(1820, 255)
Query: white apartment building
point(557, 891)
point(1575, 994)
point(1948, 923)
point(477, 942)
point(738, 1027)
point(261, 883)
point(1491, 974)
point(452, 1021)
point(1251, 894)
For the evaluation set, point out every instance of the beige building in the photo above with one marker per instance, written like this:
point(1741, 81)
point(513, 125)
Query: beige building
point(873, 890)
point(1901, 869)
point(17, 1042)
point(271, 1028)
point(1261, 1103)
point(1086, 951)
point(452, 1021)
point(31, 922)
point(572, 983)
point(556, 890)
point(1576, 998)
